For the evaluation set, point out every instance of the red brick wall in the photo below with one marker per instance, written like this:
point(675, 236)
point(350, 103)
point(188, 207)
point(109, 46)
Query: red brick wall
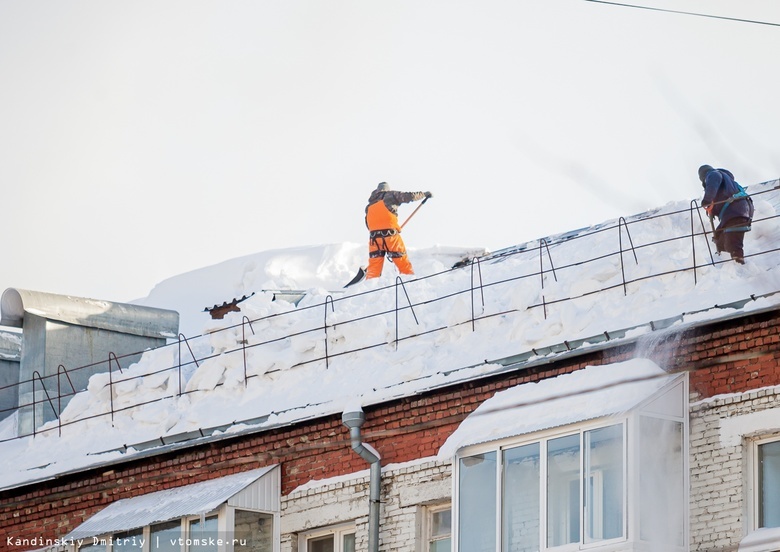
point(732, 357)
point(401, 430)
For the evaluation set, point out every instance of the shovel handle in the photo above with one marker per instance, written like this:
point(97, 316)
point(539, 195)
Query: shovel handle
point(413, 212)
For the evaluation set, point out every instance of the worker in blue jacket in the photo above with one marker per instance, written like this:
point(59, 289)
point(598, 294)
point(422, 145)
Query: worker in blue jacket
point(725, 199)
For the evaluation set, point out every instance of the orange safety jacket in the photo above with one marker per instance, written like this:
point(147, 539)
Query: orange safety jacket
point(379, 217)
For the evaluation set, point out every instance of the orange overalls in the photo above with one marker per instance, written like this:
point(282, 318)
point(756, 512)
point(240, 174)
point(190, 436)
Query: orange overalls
point(384, 239)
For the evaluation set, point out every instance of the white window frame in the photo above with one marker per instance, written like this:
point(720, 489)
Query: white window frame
point(543, 438)
point(424, 536)
point(753, 490)
point(338, 532)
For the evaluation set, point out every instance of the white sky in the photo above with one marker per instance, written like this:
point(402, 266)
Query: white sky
point(139, 140)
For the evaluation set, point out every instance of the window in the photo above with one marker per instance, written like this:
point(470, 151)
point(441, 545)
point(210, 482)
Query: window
point(129, 541)
point(662, 482)
point(522, 473)
point(563, 490)
point(252, 532)
point(337, 539)
point(164, 537)
point(477, 518)
point(559, 491)
point(602, 471)
point(604, 490)
point(767, 468)
point(436, 529)
point(202, 535)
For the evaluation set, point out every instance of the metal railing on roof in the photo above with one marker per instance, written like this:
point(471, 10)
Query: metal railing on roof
point(565, 246)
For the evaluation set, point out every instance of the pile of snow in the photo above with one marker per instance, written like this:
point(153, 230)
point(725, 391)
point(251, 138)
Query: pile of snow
point(281, 376)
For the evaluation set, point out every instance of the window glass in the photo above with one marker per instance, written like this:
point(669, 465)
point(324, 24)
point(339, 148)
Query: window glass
point(92, 547)
point(203, 535)
point(253, 532)
point(604, 485)
point(441, 523)
point(440, 531)
point(165, 537)
point(769, 484)
point(339, 540)
point(321, 544)
point(662, 508)
point(520, 523)
point(477, 512)
point(348, 542)
point(563, 490)
point(129, 541)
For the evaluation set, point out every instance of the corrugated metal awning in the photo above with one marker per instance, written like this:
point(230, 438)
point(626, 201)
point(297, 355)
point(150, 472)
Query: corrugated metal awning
point(188, 500)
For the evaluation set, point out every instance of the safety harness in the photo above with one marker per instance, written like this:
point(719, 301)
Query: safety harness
point(741, 194)
point(377, 237)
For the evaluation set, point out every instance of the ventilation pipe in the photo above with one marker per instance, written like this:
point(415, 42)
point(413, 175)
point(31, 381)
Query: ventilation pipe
point(354, 420)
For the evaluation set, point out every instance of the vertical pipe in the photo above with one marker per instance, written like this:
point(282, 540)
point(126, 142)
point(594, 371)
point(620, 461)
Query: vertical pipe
point(354, 420)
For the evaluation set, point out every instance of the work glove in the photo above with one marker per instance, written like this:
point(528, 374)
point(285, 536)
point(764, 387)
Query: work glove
point(428, 195)
point(709, 209)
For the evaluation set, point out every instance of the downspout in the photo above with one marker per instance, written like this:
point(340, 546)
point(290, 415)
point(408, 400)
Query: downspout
point(354, 420)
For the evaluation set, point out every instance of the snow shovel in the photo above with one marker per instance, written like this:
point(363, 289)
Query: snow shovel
point(361, 273)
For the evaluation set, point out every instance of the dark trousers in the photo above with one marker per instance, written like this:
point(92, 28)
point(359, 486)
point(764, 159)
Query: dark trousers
point(732, 241)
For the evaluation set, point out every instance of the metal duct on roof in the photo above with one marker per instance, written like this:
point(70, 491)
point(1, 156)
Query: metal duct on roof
point(106, 315)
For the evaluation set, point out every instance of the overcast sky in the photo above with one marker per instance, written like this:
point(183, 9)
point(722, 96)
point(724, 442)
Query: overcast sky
point(141, 140)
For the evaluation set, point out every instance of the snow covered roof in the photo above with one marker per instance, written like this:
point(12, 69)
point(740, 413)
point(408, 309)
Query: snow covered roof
point(188, 500)
point(275, 363)
point(588, 394)
point(106, 315)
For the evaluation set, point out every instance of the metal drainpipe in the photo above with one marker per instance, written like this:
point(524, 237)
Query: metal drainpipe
point(354, 420)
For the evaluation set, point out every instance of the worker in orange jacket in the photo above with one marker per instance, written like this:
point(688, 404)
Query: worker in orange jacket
point(384, 231)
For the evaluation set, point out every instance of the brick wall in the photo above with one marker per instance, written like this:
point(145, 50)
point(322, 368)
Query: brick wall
point(732, 357)
point(406, 490)
point(720, 430)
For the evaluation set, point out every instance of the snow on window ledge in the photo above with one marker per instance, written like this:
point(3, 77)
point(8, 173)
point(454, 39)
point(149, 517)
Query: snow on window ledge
point(761, 540)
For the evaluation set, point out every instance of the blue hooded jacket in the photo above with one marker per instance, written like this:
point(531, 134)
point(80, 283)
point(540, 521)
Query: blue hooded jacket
point(719, 186)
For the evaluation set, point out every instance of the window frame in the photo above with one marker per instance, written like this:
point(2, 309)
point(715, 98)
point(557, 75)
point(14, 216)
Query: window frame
point(425, 526)
point(753, 476)
point(338, 532)
point(543, 438)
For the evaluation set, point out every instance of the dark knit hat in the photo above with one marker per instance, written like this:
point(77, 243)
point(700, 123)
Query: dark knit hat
point(703, 170)
point(383, 187)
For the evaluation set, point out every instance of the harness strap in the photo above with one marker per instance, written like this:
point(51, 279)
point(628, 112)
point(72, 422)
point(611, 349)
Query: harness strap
point(382, 233)
point(737, 229)
point(377, 237)
point(741, 194)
